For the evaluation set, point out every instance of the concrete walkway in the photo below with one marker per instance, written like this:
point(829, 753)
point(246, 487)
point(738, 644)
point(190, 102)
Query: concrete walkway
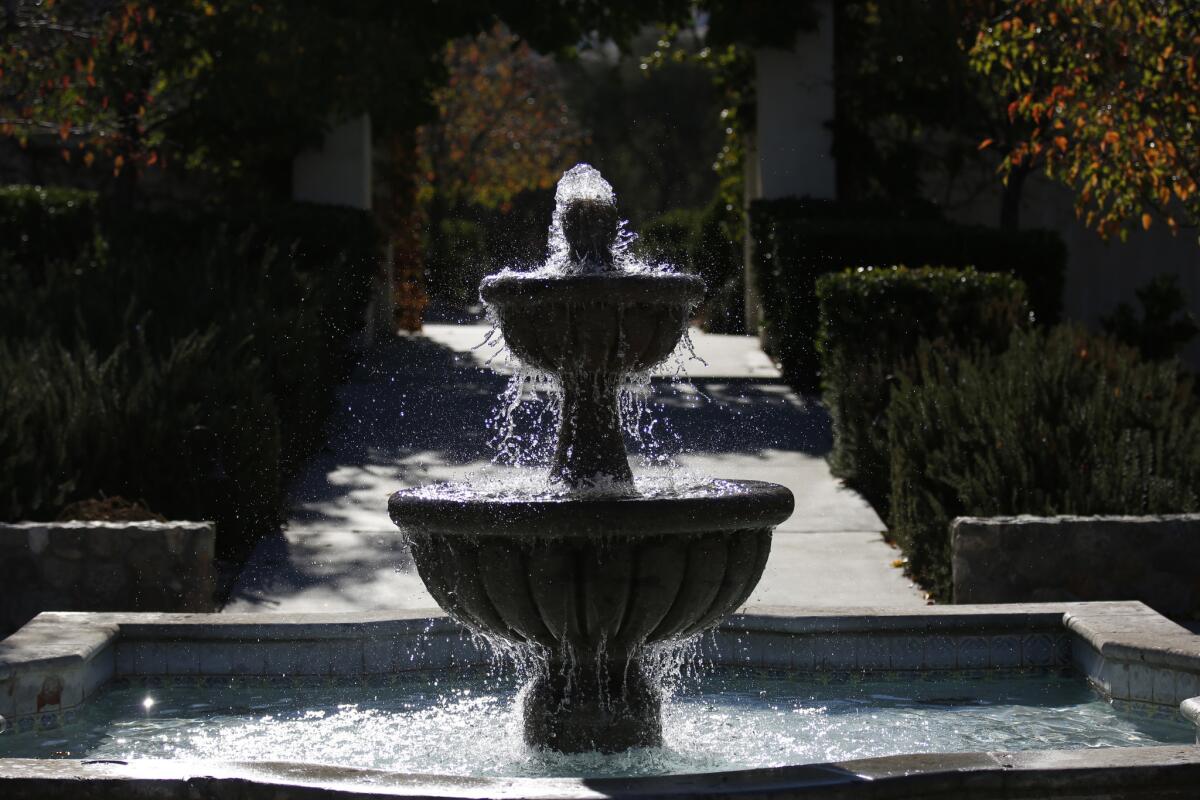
point(416, 409)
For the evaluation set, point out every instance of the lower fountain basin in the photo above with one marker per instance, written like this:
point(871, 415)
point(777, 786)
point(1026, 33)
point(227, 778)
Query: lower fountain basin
point(592, 573)
point(353, 666)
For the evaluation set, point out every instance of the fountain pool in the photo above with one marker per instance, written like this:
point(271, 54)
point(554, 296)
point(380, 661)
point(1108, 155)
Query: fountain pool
point(469, 724)
point(1012, 700)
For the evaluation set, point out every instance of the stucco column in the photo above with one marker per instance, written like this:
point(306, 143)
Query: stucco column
point(339, 171)
point(790, 154)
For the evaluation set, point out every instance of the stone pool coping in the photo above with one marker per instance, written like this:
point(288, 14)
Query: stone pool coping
point(1139, 659)
point(1143, 772)
point(103, 566)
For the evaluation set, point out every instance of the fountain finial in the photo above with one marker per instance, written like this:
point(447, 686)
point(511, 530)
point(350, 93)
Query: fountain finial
point(590, 227)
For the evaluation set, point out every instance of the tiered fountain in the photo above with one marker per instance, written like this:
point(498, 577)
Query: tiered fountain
point(589, 578)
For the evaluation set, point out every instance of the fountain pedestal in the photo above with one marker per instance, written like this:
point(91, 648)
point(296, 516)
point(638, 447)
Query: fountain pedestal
point(590, 447)
point(597, 704)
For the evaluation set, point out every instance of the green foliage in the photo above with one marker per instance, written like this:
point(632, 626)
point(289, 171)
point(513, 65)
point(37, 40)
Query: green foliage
point(725, 48)
point(1165, 327)
point(697, 240)
point(911, 113)
point(218, 337)
point(871, 323)
point(1063, 422)
point(78, 424)
point(464, 261)
point(47, 222)
point(670, 238)
point(1107, 91)
point(796, 241)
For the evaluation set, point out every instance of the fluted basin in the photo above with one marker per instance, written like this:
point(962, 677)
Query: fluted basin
point(594, 323)
point(588, 583)
point(597, 573)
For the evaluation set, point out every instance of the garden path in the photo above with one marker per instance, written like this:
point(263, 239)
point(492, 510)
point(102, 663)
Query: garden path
point(414, 411)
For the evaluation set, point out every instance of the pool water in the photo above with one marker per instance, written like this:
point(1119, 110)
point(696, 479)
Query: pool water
point(471, 725)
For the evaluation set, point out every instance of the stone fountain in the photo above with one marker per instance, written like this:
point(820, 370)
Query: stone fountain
point(588, 578)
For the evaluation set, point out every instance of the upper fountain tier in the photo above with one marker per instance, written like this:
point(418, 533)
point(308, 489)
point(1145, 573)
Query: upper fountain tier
point(590, 318)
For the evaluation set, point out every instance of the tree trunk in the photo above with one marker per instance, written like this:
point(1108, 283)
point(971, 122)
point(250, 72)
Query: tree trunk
point(401, 219)
point(1010, 201)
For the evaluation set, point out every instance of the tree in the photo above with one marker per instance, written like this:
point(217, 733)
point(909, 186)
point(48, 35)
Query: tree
point(227, 90)
point(502, 124)
point(82, 73)
point(909, 111)
point(1110, 93)
point(502, 127)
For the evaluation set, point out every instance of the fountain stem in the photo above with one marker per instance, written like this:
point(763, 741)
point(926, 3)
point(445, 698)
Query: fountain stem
point(591, 448)
point(604, 706)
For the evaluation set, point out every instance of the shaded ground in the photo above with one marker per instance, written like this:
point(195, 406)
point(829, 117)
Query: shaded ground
point(415, 411)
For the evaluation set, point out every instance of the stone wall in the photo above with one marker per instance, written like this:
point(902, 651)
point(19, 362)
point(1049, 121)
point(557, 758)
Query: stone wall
point(104, 566)
point(1041, 559)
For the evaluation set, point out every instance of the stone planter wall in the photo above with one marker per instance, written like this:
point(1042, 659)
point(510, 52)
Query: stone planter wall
point(104, 566)
point(1042, 559)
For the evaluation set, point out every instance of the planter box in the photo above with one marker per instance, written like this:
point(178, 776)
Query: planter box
point(1045, 559)
point(104, 566)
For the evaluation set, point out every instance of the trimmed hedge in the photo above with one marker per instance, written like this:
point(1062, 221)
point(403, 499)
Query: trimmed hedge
point(48, 222)
point(796, 241)
point(670, 237)
point(199, 354)
point(1063, 422)
point(696, 240)
point(871, 323)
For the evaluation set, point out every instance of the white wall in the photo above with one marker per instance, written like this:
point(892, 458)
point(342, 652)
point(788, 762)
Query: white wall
point(339, 172)
point(1100, 274)
point(795, 110)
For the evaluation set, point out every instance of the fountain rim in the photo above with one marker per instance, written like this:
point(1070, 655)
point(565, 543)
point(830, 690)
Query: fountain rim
point(632, 287)
point(757, 505)
point(1033, 772)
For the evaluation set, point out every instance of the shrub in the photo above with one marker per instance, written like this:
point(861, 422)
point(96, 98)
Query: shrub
point(716, 256)
point(47, 223)
point(696, 240)
point(1063, 422)
point(465, 261)
point(871, 323)
point(797, 241)
point(670, 237)
point(1165, 327)
point(76, 424)
point(221, 337)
